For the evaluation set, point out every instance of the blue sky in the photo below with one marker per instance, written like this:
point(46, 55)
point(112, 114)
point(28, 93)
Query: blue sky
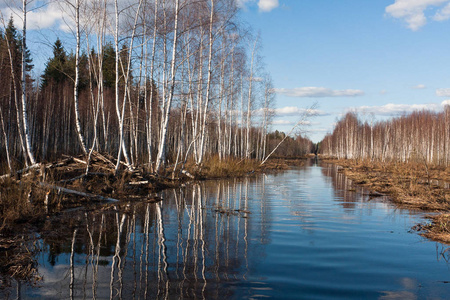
point(380, 58)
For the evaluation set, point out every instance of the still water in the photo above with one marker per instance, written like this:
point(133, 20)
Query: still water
point(306, 233)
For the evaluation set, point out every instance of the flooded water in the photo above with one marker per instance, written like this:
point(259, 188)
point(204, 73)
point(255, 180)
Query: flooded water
point(306, 233)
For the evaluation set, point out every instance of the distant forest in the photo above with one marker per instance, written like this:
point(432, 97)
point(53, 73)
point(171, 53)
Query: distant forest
point(152, 83)
point(422, 136)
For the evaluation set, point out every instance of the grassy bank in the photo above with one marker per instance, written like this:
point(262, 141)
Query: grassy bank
point(413, 185)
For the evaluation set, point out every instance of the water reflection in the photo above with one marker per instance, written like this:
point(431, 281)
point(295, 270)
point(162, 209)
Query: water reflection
point(286, 235)
point(189, 245)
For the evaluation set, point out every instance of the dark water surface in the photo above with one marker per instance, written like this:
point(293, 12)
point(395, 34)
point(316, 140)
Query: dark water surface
point(306, 233)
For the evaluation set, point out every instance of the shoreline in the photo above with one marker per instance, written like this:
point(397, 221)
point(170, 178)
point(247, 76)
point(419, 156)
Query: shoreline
point(413, 185)
point(31, 197)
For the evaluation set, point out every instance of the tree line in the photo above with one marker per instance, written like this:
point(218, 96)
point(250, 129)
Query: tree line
point(421, 135)
point(150, 82)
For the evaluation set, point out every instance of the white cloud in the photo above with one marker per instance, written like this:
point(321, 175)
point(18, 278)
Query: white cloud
point(445, 102)
point(419, 87)
point(267, 5)
point(413, 11)
point(263, 5)
point(283, 122)
point(41, 17)
point(443, 14)
point(295, 111)
point(318, 92)
point(289, 123)
point(443, 92)
point(55, 15)
point(396, 109)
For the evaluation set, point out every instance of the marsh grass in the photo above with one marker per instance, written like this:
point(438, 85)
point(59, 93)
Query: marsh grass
point(439, 228)
point(213, 168)
point(414, 185)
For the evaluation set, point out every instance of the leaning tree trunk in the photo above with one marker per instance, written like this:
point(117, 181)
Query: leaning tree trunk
point(77, 79)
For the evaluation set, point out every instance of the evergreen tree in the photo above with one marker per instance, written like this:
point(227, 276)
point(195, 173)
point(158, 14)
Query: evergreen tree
point(55, 70)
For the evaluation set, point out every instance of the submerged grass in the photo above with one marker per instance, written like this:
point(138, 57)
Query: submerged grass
point(413, 185)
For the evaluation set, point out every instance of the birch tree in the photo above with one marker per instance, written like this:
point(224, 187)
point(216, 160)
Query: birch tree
point(24, 86)
point(160, 160)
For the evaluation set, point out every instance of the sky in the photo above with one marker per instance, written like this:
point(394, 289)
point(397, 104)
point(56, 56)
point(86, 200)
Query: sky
point(380, 58)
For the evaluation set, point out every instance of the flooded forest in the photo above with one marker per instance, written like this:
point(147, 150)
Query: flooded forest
point(142, 163)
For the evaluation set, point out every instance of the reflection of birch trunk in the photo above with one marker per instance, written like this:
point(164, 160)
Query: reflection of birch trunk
point(200, 205)
point(188, 239)
point(142, 250)
point(133, 231)
point(179, 232)
point(121, 263)
point(162, 260)
point(246, 227)
point(90, 256)
point(195, 246)
point(227, 240)
point(95, 270)
point(117, 251)
point(72, 264)
point(217, 251)
point(147, 245)
point(239, 219)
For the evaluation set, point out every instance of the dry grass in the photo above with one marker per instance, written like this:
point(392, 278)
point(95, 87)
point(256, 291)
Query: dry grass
point(213, 168)
point(17, 260)
point(412, 185)
point(439, 229)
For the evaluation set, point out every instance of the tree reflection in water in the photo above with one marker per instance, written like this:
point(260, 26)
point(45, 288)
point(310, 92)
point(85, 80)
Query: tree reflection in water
point(190, 245)
point(299, 234)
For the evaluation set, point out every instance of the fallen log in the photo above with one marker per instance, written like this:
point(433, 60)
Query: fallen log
point(79, 161)
point(73, 192)
point(32, 167)
point(103, 158)
point(187, 174)
point(138, 182)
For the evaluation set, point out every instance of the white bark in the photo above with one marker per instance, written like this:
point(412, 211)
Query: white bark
point(5, 137)
point(24, 87)
point(77, 78)
point(208, 85)
point(249, 100)
point(160, 160)
point(16, 101)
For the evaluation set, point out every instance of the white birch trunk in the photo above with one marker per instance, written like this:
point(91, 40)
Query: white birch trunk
point(160, 160)
point(249, 100)
point(24, 87)
point(208, 86)
point(16, 101)
point(77, 79)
